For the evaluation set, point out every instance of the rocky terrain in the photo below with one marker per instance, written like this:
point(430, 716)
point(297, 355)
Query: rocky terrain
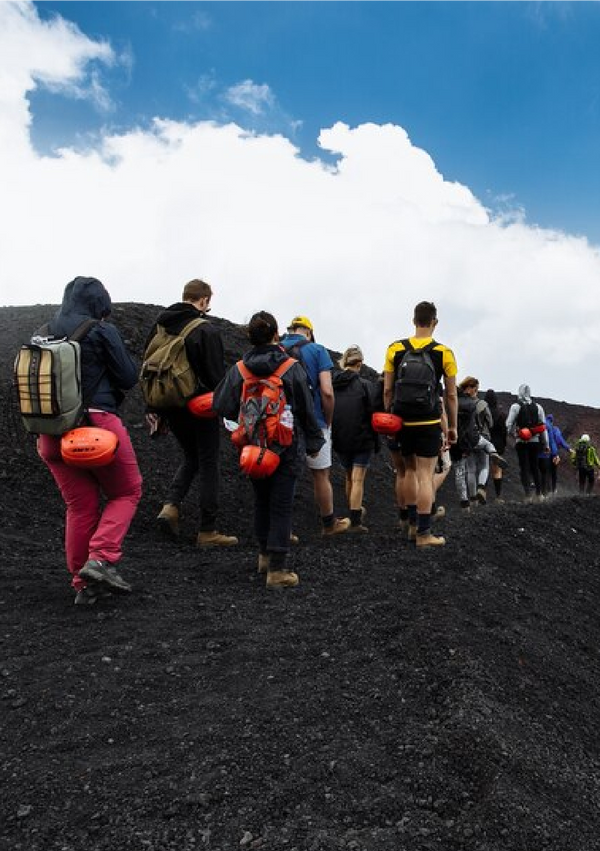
point(396, 701)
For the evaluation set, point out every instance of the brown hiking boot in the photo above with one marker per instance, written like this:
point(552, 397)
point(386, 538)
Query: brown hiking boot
point(294, 539)
point(277, 579)
point(338, 526)
point(357, 530)
point(430, 540)
point(264, 560)
point(215, 539)
point(168, 520)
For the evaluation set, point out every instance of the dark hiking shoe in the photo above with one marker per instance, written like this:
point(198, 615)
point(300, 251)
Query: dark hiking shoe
point(279, 579)
point(359, 529)
point(90, 595)
point(103, 573)
point(499, 461)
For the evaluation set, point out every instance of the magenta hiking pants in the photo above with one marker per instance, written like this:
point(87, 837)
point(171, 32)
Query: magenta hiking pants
point(93, 531)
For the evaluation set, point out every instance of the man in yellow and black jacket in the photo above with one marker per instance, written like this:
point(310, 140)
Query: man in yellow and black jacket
point(413, 373)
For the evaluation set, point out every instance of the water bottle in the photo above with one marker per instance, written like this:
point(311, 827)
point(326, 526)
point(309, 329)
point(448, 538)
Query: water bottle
point(287, 418)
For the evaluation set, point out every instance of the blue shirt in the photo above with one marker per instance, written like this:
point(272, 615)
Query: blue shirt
point(316, 360)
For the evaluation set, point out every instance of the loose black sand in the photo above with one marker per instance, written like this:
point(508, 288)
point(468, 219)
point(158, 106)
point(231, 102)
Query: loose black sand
point(396, 701)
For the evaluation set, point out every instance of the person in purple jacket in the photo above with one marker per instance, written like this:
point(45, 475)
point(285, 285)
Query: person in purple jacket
point(548, 464)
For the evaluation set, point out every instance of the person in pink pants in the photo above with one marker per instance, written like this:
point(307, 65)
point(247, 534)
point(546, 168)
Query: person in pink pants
point(101, 501)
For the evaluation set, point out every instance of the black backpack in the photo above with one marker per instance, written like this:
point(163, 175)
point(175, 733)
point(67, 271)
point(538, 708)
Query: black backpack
point(467, 428)
point(529, 415)
point(581, 456)
point(416, 392)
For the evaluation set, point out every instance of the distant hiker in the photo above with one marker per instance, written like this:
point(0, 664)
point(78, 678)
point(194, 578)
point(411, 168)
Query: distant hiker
point(102, 501)
point(198, 438)
point(353, 438)
point(300, 343)
point(526, 422)
point(469, 445)
point(483, 416)
point(274, 494)
point(548, 464)
point(585, 459)
point(413, 371)
point(498, 436)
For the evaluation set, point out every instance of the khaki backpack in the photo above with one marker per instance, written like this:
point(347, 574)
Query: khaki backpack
point(166, 377)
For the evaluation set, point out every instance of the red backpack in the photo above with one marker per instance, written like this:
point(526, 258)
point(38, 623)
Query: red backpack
point(261, 407)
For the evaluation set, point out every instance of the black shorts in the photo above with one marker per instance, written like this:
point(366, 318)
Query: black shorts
point(424, 441)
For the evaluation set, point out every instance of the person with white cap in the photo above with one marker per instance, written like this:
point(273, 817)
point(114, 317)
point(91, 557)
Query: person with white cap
point(300, 343)
point(526, 422)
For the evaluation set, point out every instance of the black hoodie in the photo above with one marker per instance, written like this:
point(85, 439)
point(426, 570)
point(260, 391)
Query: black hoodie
point(203, 345)
point(351, 430)
point(263, 361)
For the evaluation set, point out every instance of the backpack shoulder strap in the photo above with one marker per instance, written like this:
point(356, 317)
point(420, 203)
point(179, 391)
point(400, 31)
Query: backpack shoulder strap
point(190, 326)
point(408, 346)
point(81, 331)
point(243, 370)
point(284, 366)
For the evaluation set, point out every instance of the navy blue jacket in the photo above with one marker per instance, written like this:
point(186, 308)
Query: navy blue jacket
point(107, 368)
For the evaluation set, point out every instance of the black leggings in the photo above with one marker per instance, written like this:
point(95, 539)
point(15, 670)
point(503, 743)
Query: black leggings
point(528, 466)
point(586, 480)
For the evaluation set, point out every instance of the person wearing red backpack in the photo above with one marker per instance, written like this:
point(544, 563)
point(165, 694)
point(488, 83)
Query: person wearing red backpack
point(526, 423)
point(274, 493)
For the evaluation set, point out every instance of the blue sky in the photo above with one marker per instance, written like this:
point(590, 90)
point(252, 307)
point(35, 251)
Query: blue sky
point(341, 161)
point(504, 96)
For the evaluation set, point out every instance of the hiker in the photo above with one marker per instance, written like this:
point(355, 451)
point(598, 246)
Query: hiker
point(353, 438)
point(526, 423)
point(548, 464)
point(274, 495)
point(498, 436)
point(585, 459)
point(470, 386)
point(101, 501)
point(421, 363)
point(198, 438)
point(300, 343)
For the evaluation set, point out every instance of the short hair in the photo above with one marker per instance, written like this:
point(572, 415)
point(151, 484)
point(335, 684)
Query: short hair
point(262, 328)
point(195, 290)
point(469, 381)
point(425, 314)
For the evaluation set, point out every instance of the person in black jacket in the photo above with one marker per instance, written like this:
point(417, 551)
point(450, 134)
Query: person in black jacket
point(274, 495)
point(353, 438)
point(499, 437)
point(100, 501)
point(198, 438)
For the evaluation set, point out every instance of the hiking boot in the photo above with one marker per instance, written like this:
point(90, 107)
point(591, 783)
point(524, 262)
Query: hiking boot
point(439, 514)
point(411, 533)
point(498, 460)
point(277, 579)
point(481, 496)
point(264, 560)
point(339, 525)
point(359, 529)
point(429, 540)
point(465, 506)
point(168, 520)
point(90, 595)
point(215, 539)
point(103, 573)
point(294, 539)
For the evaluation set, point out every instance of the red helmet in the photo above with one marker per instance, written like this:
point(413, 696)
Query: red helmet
point(524, 433)
point(202, 406)
point(258, 462)
point(88, 447)
point(384, 423)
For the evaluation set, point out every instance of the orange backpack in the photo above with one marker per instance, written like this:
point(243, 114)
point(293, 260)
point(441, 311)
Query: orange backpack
point(261, 407)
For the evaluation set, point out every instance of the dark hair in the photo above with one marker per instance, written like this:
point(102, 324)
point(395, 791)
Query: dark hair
point(195, 290)
point(262, 328)
point(425, 314)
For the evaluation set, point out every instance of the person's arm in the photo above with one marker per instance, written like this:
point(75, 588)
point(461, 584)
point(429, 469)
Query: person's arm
point(512, 416)
point(544, 436)
point(327, 396)
point(304, 410)
point(451, 402)
point(227, 395)
point(121, 367)
point(388, 390)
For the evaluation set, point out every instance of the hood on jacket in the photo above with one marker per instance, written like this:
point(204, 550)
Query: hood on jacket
point(342, 378)
point(85, 297)
point(264, 360)
point(491, 398)
point(176, 317)
point(525, 393)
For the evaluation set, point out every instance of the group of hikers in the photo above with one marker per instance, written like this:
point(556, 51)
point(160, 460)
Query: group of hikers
point(287, 406)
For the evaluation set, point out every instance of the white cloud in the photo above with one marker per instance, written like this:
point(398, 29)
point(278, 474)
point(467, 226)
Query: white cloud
point(251, 97)
point(354, 246)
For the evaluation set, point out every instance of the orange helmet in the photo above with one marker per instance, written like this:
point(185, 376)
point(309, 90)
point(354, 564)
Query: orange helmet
point(202, 406)
point(384, 423)
point(524, 433)
point(258, 462)
point(88, 447)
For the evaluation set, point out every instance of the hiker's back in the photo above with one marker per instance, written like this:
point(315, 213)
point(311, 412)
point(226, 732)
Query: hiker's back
point(354, 404)
point(417, 382)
